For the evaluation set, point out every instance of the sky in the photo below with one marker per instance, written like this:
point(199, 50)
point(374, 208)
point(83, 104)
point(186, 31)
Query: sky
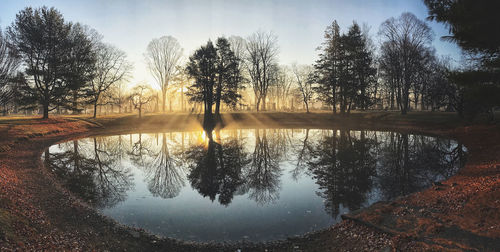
point(299, 25)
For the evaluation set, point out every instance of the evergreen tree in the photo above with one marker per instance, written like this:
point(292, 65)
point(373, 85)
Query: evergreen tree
point(344, 72)
point(53, 52)
point(217, 78)
point(326, 67)
point(470, 24)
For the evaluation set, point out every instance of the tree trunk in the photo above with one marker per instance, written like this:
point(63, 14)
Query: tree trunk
point(422, 103)
point(95, 109)
point(163, 98)
point(45, 110)
point(218, 94)
point(391, 102)
point(182, 98)
point(416, 102)
point(75, 103)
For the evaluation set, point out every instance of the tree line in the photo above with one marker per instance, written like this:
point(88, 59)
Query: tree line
point(59, 64)
point(47, 63)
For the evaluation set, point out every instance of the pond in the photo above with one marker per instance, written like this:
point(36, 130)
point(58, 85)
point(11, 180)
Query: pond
point(247, 184)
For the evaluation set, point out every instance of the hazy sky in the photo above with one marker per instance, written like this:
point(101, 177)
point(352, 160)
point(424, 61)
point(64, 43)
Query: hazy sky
point(299, 25)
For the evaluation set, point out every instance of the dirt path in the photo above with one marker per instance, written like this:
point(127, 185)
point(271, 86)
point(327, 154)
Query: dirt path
point(37, 214)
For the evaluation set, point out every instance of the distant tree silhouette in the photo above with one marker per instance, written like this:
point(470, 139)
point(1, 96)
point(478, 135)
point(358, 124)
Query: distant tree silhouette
point(202, 68)
point(163, 57)
point(9, 63)
point(303, 78)
point(111, 67)
point(141, 95)
point(406, 42)
point(261, 62)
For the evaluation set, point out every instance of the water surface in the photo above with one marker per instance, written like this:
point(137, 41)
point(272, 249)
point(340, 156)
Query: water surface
point(247, 184)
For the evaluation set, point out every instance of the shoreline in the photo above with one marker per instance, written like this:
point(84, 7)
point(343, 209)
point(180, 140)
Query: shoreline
point(58, 220)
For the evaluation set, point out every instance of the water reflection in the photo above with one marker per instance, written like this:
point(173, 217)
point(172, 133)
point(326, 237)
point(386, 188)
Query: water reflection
point(410, 163)
point(279, 174)
point(216, 168)
point(91, 169)
point(263, 175)
point(162, 170)
point(343, 167)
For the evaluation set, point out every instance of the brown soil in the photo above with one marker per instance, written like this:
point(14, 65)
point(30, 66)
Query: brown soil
point(463, 213)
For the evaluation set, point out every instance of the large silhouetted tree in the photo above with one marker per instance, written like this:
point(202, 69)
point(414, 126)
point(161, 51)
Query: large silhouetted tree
point(470, 24)
point(217, 78)
point(344, 71)
point(47, 48)
point(228, 76)
point(202, 68)
point(327, 67)
point(83, 66)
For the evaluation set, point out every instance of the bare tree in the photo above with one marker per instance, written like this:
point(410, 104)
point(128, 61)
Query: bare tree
point(284, 83)
point(238, 46)
point(141, 95)
point(407, 38)
point(304, 82)
point(262, 54)
point(163, 56)
point(9, 63)
point(111, 68)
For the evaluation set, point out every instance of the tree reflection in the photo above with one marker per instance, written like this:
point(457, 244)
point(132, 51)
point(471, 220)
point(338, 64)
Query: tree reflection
point(264, 173)
point(165, 175)
point(343, 167)
point(412, 163)
point(351, 168)
point(304, 155)
point(216, 168)
point(139, 151)
point(92, 171)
